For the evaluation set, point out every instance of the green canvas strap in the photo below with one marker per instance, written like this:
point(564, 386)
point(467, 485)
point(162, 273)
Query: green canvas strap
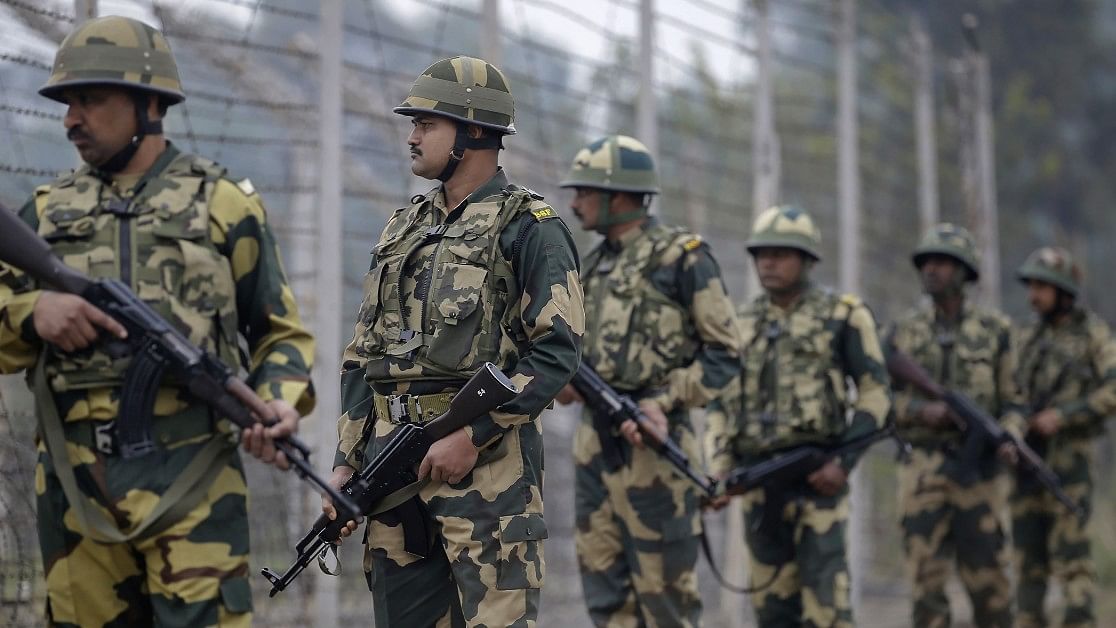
point(184, 494)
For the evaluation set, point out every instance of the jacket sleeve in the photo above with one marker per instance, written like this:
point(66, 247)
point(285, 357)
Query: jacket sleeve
point(281, 348)
point(19, 344)
point(551, 312)
point(864, 363)
point(1100, 402)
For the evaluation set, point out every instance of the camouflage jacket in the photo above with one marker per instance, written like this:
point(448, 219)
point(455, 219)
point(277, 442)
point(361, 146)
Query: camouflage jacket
point(1070, 367)
point(203, 256)
point(498, 281)
point(794, 386)
point(973, 355)
point(659, 321)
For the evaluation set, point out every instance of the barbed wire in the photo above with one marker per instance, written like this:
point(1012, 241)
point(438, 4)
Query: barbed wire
point(30, 8)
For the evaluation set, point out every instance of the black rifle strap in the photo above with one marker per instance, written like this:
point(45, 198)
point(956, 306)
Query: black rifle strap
point(137, 402)
point(707, 549)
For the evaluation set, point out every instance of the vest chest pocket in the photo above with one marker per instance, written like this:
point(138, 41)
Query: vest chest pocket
point(370, 311)
point(456, 313)
point(976, 374)
point(72, 236)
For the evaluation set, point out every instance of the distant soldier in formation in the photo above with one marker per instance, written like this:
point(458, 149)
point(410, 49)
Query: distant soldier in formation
point(660, 329)
point(800, 345)
point(952, 508)
point(1067, 370)
point(477, 269)
point(195, 244)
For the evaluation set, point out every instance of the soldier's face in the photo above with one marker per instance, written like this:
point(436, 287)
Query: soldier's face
point(940, 274)
point(431, 141)
point(586, 206)
point(1043, 297)
point(99, 121)
point(780, 269)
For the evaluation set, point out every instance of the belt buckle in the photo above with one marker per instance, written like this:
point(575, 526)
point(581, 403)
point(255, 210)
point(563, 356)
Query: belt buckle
point(397, 408)
point(104, 438)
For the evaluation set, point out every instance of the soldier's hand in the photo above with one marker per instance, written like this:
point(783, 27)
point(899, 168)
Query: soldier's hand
point(936, 414)
point(1046, 423)
point(1008, 453)
point(569, 395)
point(259, 440)
point(829, 479)
point(449, 459)
point(71, 322)
point(337, 480)
point(656, 424)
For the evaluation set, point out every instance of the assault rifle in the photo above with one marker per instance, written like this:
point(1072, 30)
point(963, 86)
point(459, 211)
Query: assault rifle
point(780, 475)
point(155, 347)
point(611, 408)
point(394, 468)
point(982, 432)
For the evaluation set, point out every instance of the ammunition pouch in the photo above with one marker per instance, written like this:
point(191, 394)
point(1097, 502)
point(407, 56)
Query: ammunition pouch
point(401, 409)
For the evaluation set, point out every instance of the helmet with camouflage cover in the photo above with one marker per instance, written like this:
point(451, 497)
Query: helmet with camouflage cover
point(115, 50)
point(616, 163)
point(465, 89)
point(1052, 265)
point(785, 226)
point(952, 241)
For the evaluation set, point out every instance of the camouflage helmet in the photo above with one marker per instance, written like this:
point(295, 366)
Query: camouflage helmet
point(1052, 265)
point(617, 163)
point(785, 226)
point(952, 241)
point(465, 89)
point(115, 50)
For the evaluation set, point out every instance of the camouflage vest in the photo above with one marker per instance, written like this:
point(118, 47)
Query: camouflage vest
point(158, 243)
point(794, 385)
point(1056, 365)
point(468, 312)
point(636, 334)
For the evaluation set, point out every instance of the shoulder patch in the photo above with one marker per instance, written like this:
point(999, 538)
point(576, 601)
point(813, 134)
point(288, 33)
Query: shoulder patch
point(850, 300)
point(543, 213)
point(692, 243)
point(246, 186)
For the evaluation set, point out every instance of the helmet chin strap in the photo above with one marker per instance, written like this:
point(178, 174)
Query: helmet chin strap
point(144, 126)
point(1062, 305)
point(606, 218)
point(461, 142)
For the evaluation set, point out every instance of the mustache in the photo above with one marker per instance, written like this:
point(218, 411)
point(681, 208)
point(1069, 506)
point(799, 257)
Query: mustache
point(76, 133)
point(416, 151)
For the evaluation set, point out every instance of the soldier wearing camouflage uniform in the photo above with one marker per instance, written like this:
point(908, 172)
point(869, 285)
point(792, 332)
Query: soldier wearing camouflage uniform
point(801, 346)
point(661, 330)
point(195, 245)
point(1067, 371)
point(477, 269)
point(952, 508)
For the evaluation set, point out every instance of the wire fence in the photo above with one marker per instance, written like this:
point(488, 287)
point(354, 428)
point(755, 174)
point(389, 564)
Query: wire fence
point(250, 70)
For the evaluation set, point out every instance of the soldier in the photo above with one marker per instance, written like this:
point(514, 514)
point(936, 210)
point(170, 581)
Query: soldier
point(800, 345)
point(663, 332)
point(477, 269)
point(195, 244)
point(1067, 370)
point(951, 505)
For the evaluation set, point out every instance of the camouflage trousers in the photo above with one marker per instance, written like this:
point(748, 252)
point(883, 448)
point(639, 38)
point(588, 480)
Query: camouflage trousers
point(193, 573)
point(1052, 542)
point(637, 536)
point(484, 564)
point(800, 562)
point(950, 516)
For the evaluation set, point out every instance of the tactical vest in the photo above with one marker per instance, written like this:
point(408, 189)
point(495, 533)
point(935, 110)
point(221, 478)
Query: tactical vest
point(468, 314)
point(636, 334)
point(1056, 367)
point(794, 385)
point(158, 243)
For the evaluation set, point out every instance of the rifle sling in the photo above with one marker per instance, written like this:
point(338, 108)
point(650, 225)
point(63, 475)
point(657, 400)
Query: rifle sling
point(707, 549)
point(180, 498)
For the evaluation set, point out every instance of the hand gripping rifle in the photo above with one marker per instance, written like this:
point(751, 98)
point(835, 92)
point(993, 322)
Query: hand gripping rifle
point(611, 408)
point(394, 468)
point(982, 432)
point(155, 346)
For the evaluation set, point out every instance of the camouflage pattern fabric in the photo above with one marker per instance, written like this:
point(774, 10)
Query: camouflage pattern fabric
point(500, 285)
point(791, 392)
point(661, 327)
point(952, 509)
point(198, 235)
point(465, 89)
point(1070, 367)
point(803, 560)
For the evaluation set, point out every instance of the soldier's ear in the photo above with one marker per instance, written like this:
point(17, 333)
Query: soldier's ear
point(475, 132)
